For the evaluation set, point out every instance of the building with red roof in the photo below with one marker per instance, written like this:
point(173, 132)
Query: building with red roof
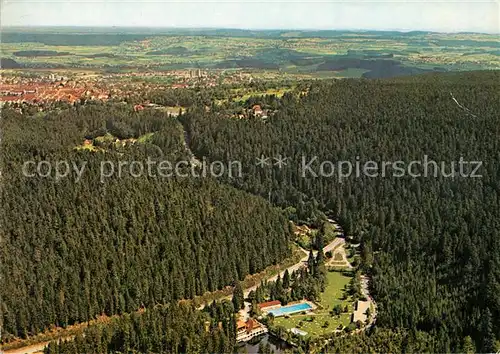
point(257, 110)
point(269, 304)
point(249, 329)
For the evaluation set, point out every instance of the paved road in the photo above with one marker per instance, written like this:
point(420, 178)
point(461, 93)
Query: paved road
point(366, 292)
point(35, 348)
point(193, 160)
point(31, 349)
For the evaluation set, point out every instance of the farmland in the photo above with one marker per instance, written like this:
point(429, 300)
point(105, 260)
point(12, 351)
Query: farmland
point(300, 53)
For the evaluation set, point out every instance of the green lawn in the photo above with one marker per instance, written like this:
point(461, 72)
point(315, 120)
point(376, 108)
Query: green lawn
point(338, 257)
point(241, 95)
point(331, 297)
point(279, 92)
point(334, 290)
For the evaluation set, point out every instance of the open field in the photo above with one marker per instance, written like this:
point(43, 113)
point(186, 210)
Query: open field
point(243, 95)
point(313, 323)
point(314, 54)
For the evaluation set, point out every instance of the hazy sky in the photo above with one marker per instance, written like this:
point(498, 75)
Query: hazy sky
point(443, 15)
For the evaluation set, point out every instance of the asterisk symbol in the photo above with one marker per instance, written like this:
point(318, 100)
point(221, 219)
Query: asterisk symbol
point(280, 161)
point(262, 161)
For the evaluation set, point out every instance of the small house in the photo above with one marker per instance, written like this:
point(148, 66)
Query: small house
point(257, 110)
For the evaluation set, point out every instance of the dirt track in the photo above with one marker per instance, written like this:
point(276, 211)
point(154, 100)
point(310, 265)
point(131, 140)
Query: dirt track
point(31, 349)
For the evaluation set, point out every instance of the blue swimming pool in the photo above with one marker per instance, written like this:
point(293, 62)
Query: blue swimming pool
point(287, 310)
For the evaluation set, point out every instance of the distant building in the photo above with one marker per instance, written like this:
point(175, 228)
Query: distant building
point(195, 73)
point(72, 98)
point(257, 110)
point(177, 86)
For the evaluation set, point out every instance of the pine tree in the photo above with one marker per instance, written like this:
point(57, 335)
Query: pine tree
point(468, 346)
point(286, 280)
point(238, 297)
point(488, 337)
point(311, 262)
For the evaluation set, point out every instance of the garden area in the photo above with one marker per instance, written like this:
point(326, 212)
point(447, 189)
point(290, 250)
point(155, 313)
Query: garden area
point(334, 310)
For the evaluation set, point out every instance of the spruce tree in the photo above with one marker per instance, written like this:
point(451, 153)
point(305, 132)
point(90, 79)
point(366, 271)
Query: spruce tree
point(238, 297)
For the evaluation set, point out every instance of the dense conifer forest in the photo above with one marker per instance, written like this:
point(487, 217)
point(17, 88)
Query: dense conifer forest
point(163, 329)
point(431, 243)
point(77, 249)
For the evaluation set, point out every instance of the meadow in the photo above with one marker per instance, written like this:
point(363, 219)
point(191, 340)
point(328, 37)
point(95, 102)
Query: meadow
point(315, 323)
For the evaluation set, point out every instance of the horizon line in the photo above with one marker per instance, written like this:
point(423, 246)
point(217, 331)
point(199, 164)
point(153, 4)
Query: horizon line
point(249, 29)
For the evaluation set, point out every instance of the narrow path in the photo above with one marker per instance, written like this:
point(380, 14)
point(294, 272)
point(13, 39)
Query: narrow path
point(462, 106)
point(366, 292)
point(193, 160)
point(30, 349)
point(36, 348)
